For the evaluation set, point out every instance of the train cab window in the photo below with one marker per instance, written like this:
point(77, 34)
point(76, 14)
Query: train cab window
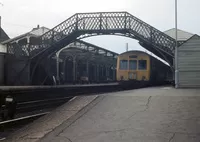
point(123, 64)
point(132, 64)
point(142, 65)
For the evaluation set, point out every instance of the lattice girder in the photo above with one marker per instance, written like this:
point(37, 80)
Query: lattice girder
point(104, 23)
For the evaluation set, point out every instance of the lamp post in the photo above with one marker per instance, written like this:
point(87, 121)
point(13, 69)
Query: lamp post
point(176, 48)
point(0, 26)
point(0, 20)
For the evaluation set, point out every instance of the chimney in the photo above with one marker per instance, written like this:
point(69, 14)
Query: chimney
point(38, 26)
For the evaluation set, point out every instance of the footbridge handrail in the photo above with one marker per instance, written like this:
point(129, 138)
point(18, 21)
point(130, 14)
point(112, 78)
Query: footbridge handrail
point(89, 24)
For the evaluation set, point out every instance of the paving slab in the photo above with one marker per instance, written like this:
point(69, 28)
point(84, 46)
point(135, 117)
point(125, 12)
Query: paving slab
point(157, 114)
point(49, 122)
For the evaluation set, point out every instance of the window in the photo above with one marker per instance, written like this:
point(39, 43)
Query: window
point(142, 65)
point(123, 65)
point(132, 64)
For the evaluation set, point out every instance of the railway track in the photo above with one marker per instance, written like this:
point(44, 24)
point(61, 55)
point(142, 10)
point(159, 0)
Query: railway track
point(27, 111)
point(38, 104)
point(30, 107)
point(9, 126)
point(23, 101)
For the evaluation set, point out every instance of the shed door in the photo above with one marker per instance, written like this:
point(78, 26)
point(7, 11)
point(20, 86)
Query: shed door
point(189, 68)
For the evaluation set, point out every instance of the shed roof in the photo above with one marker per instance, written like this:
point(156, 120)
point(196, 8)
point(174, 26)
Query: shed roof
point(195, 36)
point(182, 35)
point(3, 35)
point(35, 32)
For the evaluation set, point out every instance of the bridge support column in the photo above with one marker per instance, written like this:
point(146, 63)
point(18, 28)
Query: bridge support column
point(87, 70)
point(114, 71)
point(63, 70)
point(97, 73)
point(107, 73)
point(74, 70)
point(102, 73)
point(57, 68)
point(28, 43)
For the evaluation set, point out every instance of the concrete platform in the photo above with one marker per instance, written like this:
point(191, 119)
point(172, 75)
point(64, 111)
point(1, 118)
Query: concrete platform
point(16, 88)
point(158, 114)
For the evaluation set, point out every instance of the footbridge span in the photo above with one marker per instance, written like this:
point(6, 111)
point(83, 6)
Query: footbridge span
point(82, 25)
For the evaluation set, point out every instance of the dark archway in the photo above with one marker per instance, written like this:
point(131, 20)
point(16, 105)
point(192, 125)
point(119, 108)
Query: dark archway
point(92, 72)
point(68, 71)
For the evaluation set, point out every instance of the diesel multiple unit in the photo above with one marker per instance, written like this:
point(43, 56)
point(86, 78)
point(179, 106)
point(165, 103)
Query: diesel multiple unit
point(141, 69)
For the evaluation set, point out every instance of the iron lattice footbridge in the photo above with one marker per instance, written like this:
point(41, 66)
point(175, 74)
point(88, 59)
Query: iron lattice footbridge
point(83, 25)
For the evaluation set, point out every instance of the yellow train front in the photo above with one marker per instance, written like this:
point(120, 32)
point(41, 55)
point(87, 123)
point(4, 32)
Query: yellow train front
point(139, 69)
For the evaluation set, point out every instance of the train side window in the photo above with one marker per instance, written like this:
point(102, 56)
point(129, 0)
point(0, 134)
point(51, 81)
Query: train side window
point(132, 64)
point(142, 65)
point(123, 64)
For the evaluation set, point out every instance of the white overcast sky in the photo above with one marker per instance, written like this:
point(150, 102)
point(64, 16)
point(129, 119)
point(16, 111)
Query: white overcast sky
point(20, 16)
